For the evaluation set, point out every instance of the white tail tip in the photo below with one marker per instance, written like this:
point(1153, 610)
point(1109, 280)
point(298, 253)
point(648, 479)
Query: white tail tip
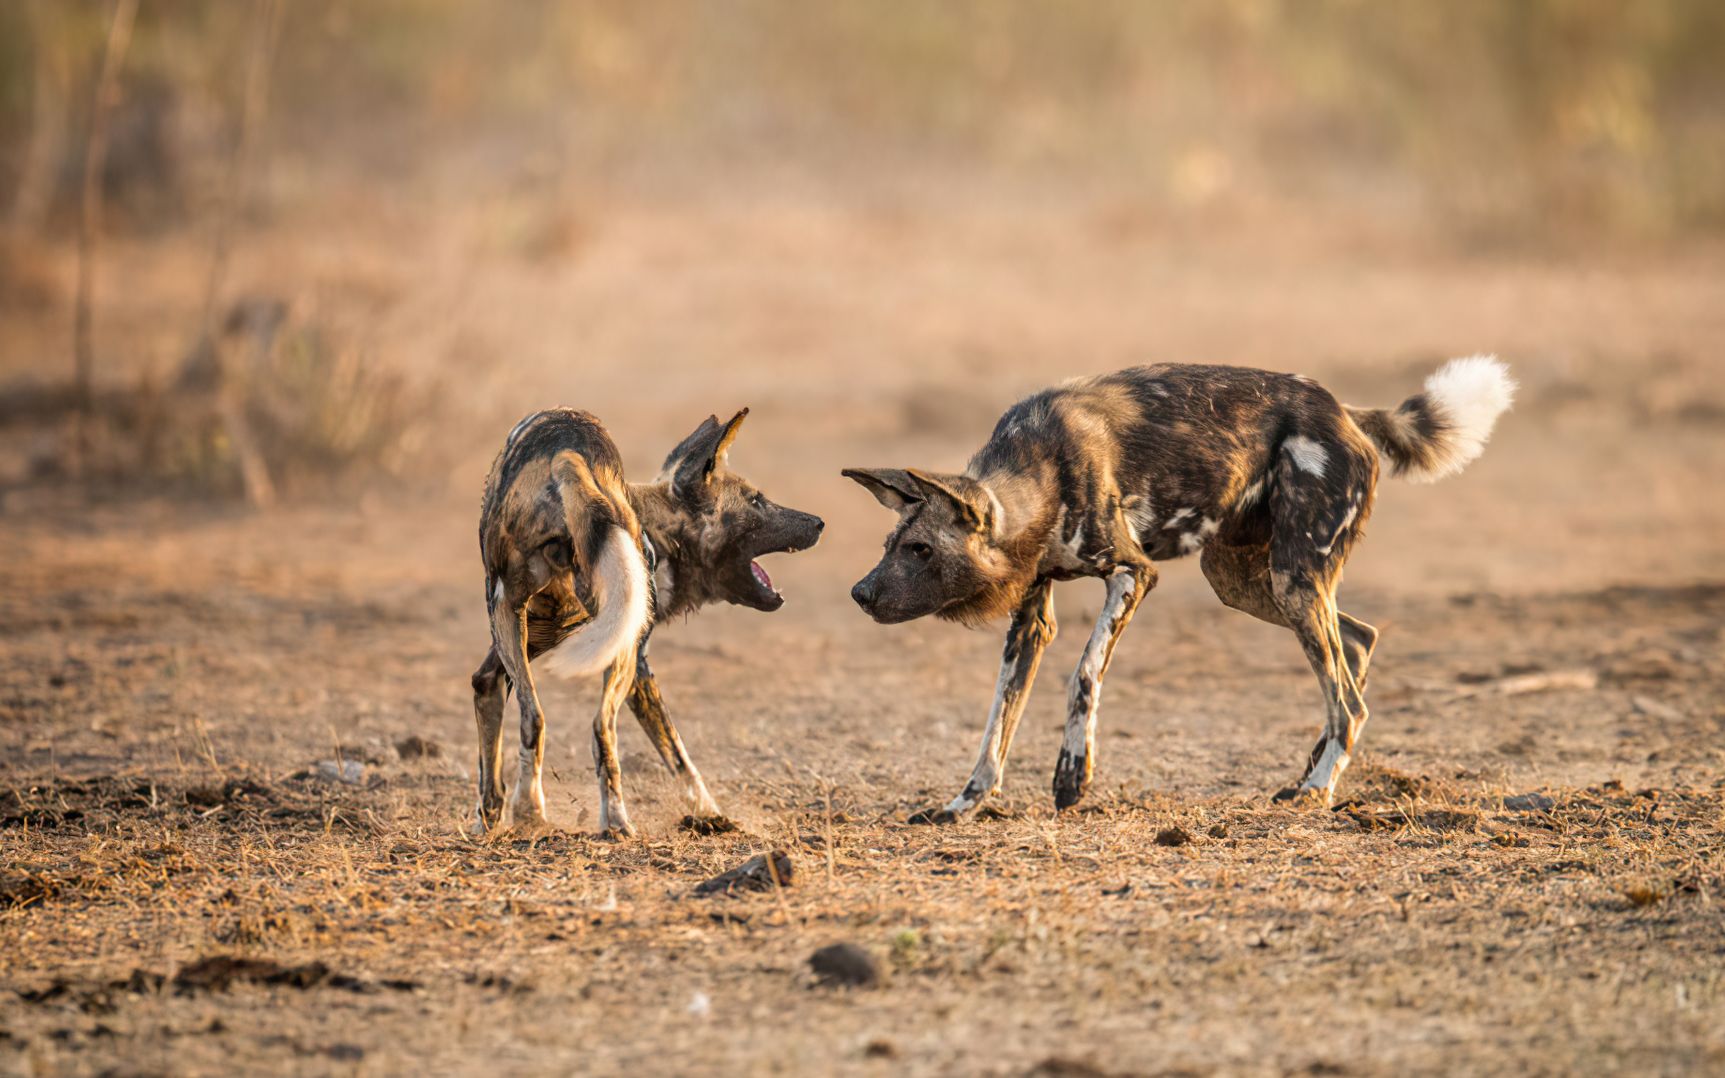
point(1468, 395)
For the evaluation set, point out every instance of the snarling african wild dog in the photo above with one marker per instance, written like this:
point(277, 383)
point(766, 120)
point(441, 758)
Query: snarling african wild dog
point(1103, 477)
point(579, 566)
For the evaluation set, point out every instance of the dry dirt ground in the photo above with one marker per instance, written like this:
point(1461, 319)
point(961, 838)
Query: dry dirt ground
point(172, 673)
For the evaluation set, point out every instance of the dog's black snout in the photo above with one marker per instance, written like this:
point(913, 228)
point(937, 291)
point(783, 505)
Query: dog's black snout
point(864, 594)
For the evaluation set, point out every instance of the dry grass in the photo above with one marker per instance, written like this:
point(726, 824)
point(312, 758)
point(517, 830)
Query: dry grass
point(1424, 913)
point(1552, 623)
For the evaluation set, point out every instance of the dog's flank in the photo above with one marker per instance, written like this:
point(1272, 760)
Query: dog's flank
point(570, 552)
point(1266, 474)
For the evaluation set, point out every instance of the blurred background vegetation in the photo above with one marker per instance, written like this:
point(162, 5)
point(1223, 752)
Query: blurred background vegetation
point(359, 158)
point(1506, 121)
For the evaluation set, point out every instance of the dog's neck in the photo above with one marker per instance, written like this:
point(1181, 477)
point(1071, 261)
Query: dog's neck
point(670, 529)
point(1026, 506)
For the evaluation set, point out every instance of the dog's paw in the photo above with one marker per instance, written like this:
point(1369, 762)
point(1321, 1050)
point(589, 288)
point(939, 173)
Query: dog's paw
point(1301, 797)
point(1070, 780)
point(932, 815)
point(708, 825)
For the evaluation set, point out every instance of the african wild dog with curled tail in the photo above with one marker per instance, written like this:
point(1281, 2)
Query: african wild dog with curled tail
point(579, 566)
point(1266, 474)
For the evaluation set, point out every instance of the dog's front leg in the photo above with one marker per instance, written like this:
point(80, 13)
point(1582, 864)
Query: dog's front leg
point(1126, 588)
point(619, 676)
point(649, 709)
point(1032, 628)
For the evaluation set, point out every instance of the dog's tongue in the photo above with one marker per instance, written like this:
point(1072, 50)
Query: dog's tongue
point(760, 574)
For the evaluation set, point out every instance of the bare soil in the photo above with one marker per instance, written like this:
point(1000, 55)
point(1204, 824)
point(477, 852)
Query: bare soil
point(1525, 874)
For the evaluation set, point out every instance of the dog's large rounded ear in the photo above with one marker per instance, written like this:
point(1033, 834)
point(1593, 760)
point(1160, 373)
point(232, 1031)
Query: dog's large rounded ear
point(697, 457)
point(892, 487)
point(971, 502)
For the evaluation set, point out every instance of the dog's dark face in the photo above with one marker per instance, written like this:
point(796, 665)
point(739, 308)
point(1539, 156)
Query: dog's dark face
point(944, 557)
point(726, 523)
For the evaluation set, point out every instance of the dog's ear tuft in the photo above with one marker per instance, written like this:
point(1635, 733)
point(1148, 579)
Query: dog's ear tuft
point(892, 487)
point(726, 437)
point(969, 499)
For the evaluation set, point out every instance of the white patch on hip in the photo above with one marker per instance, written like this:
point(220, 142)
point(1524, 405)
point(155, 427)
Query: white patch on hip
point(1308, 456)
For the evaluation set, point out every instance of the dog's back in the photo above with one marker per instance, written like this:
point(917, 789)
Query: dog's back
point(1166, 456)
point(556, 528)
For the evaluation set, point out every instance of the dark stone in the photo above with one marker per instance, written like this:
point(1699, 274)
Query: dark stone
point(845, 964)
point(414, 747)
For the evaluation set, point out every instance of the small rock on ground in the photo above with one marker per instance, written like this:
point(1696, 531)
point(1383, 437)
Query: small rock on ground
point(1535, 802)
point(845, 964)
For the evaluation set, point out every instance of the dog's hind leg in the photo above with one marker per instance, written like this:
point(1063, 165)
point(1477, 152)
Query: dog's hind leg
point(619, 677)
point(490, 694)
point(1240, 577)
point(1032, 628)
point(1127, 587)
point(1317, 504)
point(649, 709)
point(1309, 604)
point(509, 641)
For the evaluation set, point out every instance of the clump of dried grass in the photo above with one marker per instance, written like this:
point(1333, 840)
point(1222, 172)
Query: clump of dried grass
point(287, 402)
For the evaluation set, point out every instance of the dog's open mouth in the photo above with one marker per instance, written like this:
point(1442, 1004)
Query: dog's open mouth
point(758, 588)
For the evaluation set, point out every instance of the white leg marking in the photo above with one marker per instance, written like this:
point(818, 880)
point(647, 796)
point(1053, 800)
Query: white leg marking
point(1353, 511)
point(985, 777)
point(1328, 770)
point(1080, 737)
point(527, 800)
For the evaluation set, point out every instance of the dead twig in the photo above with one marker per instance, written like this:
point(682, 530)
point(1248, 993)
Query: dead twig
point(230, 393)
point(90, 221)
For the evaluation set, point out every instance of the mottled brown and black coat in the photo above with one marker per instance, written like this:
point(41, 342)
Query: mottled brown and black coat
point(579, 566)
point(1266, 474)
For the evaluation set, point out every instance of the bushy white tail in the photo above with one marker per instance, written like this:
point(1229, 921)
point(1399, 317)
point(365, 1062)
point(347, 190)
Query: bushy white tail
point(619, 587)
point(1440, 431)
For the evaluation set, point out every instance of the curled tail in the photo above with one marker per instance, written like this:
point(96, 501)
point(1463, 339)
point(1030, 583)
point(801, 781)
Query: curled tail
point(1443, 428)
point(603, 546)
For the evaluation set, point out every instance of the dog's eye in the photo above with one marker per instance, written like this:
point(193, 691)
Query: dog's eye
point(920, 551)
point(758, 500)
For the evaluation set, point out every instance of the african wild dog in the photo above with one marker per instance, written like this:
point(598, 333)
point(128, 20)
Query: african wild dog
point(579, 565)
point(1103, 477)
